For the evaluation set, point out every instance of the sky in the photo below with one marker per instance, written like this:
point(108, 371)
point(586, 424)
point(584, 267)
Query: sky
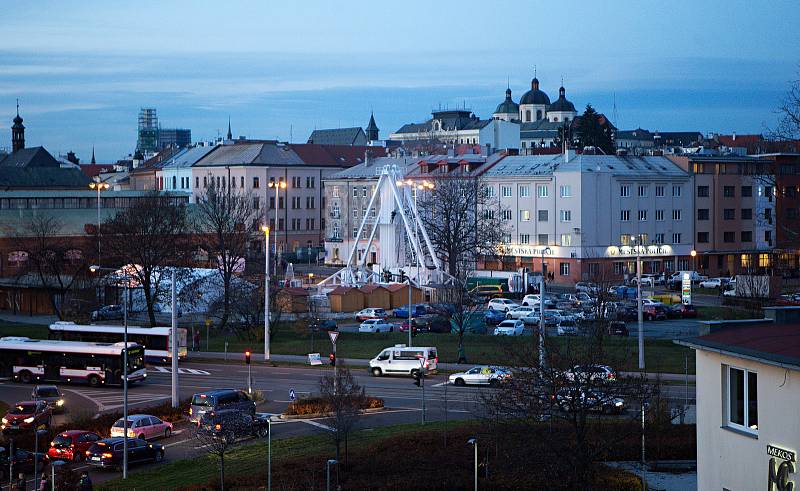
point(82, 70)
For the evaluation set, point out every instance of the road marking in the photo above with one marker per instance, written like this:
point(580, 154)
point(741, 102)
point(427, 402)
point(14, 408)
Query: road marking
point(105, 400)
point(440, 384)
point(181, 370)
point(314, 423)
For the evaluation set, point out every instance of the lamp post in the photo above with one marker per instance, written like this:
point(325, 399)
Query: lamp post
point(269, 452)
point(278, 185)
point(126, 277)
point(542, 331)
point(474, 443)
point(639, 313)
point(98, 186)
point(265, 229)
point(328, 472)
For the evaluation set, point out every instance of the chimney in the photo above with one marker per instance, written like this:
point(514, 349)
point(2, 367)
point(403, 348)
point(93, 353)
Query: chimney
point(734, 136)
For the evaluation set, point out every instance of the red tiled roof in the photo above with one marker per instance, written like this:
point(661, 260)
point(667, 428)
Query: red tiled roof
point(93, 170)
point(740, 141)
point(394, 287)
point(295, 292)
point(370, 287)
point(335, 155)
point(778, 343)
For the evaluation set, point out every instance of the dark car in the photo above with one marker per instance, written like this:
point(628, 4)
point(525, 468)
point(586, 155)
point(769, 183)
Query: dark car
point(219, 399)
point(654, 312)
point(417, 325)
point(22, 461)
point(108, 453)
point(230, 424)
point(72, 445)
point(324, 325)
point(618, 328)
point(49, 394)
point(493, 317)
point(593, 400)
point(680, 311)
point(438, 323)
point(107, 312)
point(27, 415)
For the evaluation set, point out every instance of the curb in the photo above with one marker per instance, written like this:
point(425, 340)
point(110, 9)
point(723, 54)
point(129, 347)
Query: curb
point(285, 416)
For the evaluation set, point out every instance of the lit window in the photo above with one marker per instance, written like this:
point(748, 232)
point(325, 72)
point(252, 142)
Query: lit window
point(566, 240)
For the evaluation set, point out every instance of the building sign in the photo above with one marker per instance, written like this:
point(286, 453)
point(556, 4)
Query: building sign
point(686, 289)
point(781, 464)
point(631, 251)
point(523, 250)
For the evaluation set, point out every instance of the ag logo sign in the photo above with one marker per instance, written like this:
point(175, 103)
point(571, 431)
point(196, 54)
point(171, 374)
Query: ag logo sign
point(781, 464)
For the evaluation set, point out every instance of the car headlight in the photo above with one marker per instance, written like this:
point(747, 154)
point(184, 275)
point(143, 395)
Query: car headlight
point(618, 403)
point(5, 420)
point(28, 419)
point(60, 402)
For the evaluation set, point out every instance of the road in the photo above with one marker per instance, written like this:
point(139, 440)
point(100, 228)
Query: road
point(403, 399)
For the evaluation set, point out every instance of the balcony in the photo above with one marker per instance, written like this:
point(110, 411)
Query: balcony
point(335, 214)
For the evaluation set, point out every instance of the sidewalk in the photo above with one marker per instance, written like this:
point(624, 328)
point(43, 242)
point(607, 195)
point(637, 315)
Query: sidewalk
point(451, 367)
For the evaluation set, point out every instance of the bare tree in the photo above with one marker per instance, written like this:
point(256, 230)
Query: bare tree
point(788, 127)
point(217, 442)
point(463, 221)
point(226, 220)
point(344, 399)
point(57, 263)
point(151, 236)
point(461, 310)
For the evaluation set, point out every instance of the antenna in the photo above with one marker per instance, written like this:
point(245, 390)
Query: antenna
point(534, 71)
point(290, 133)
point(614, 110)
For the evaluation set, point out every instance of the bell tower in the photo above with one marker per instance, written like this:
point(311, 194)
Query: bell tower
point(17, 133)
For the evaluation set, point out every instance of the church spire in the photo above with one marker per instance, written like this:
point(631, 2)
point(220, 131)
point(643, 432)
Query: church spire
point(230, 135)
point(93, 159)
point(372, 128)
point(17, 133)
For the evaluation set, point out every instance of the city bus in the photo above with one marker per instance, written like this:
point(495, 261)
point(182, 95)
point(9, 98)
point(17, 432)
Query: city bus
point(156, 340)
point(46, 360)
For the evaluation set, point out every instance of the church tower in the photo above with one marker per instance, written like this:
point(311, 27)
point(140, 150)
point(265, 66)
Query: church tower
point(17, 133)
point(372, 129)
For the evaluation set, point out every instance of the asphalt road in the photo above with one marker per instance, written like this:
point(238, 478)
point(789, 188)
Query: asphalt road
point(403, 399)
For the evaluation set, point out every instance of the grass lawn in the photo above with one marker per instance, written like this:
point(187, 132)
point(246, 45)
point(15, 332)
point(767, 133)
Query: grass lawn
point(723, 313)
point(36, 331)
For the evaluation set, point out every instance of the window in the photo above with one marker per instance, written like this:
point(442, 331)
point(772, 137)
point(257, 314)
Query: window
point(524, 238)
point(541, 191)
point(255, 183)
point(241, 182)
point(729, 214)
point(764, 261)
point(659, 191)
point(659, 215)
point(642, 191)
point(676, 214)
point(524, 191)
point(625, 239)
point(702, 213)
point(255, 203)
point(280, 202)
point(729, 191)
point(355, 232)
point(525, 215)
point(702, 237)
point(702, 191)
point(280, 224)
point(196, 182)
point(488, 214)
point(624, 191)
point(506, 191)
point(506, 214)
point(676, 191)
point(205, 181)
point(565, 191)
point(747, 191)
point(747, 213)
point(355, 192)
point(659, 239)
point(566, 240)
point(747, 236)
point(564, 269)
point(527, 115)
point(729, 237)
point(676, 238)
point(364, 191)
point(542, 239)
point(565, 215)
point(618, 268)
point(742, 395)
point(490, 192)
point(542, 215)
point(642, 215)
point(625, 215)
point(335, 192)
point(271, 203)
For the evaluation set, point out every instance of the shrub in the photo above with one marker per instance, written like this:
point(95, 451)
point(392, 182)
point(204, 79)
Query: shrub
point(317, 405)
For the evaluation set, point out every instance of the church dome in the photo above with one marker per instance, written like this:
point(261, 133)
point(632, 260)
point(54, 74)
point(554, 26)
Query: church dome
point(508, 106)
point(534, 96)
point(562, 104)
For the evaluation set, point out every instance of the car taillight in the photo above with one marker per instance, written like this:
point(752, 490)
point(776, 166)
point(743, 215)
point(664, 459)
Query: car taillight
point(190, 411)
point(88, 453)
point(107, 455)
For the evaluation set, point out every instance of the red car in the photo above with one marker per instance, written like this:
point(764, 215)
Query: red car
point(27, 415)
point(681, 311)
point(72, 445)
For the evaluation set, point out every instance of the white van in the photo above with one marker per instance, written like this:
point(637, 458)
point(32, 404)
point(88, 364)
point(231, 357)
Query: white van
point(400, 359)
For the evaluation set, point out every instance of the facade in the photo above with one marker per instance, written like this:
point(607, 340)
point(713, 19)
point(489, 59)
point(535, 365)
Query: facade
point(174, 137)
point(748, 391)
point(638, 140)
point(461, 126)
point(176, 173)
point(583, 212)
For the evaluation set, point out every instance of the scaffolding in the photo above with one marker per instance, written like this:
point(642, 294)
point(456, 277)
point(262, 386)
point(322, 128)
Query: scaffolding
point(147, 141)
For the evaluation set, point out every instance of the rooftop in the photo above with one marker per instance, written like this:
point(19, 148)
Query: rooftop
point(777, 345)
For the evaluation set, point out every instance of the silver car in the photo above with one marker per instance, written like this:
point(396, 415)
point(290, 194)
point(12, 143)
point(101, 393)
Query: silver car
point(481, 375)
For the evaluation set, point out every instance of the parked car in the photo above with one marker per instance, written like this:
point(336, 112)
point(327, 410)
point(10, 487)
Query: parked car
point(107, 312)
point(27, 415)
point(654, 312)
point(618, 328)
point(417, 310)
point(586, 287)
point(417, 325)
point(400, 359)
point(510, 328)
point(71, 445)
point(502, 304)
point(219, 399)
point(646, 281)
point(567, 327)
point(674, 282)
point(108, 453)
point(680, 311)
point(532, 300)
point(438, 323)
point(22, 460)
point(713, 283)
point(494, 316)
point(552, 317)
point(324, 325)
point(230, 424)
point(375, 325)
point(569, 298)
point(481, 375)
point(595, 400)
point(650, 301)
point(585, 299)
point(371, 313)
point(528, 315)
point(489, 291)
point(49, 394)
point(143, 426)
point(591, 373)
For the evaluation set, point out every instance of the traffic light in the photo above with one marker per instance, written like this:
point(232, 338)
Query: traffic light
point(247, 357)
point(332, 358)
point(417, 378)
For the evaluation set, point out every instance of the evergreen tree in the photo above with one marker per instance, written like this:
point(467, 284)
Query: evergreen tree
point(591, 132)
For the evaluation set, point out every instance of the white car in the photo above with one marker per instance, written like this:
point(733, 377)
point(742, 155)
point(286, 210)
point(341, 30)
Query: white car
point(528, 315)
point(510, 328)
point(567, 327)
point(591, 373)
point(585, 287)
point(584, 298)
point(375, 325)
point(646, 281)
point(371, 313)
point(481, 375)
point(650, 301)
point(712, 283)
point(502, 304)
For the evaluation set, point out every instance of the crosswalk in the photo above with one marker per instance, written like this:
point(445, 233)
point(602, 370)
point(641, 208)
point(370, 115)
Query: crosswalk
point(113, 399)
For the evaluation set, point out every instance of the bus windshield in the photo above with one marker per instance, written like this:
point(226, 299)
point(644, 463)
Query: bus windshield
point(135, 359)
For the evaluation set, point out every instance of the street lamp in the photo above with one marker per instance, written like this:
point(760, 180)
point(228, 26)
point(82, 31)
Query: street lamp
point(98, 186)
point(278, 185)
point(126, 277)
point(542, 331)
point(637, 240)
point(694, 259)
point(474, 443)
point(265, 229)
point(328, 472)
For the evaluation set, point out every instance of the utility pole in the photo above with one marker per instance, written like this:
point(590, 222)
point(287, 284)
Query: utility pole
point(174, 343)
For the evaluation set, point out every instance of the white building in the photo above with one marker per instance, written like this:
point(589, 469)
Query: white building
point(748, 394)
point(461, 127)
point(176, 173)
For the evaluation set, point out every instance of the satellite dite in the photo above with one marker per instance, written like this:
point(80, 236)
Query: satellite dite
point(405, 248)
